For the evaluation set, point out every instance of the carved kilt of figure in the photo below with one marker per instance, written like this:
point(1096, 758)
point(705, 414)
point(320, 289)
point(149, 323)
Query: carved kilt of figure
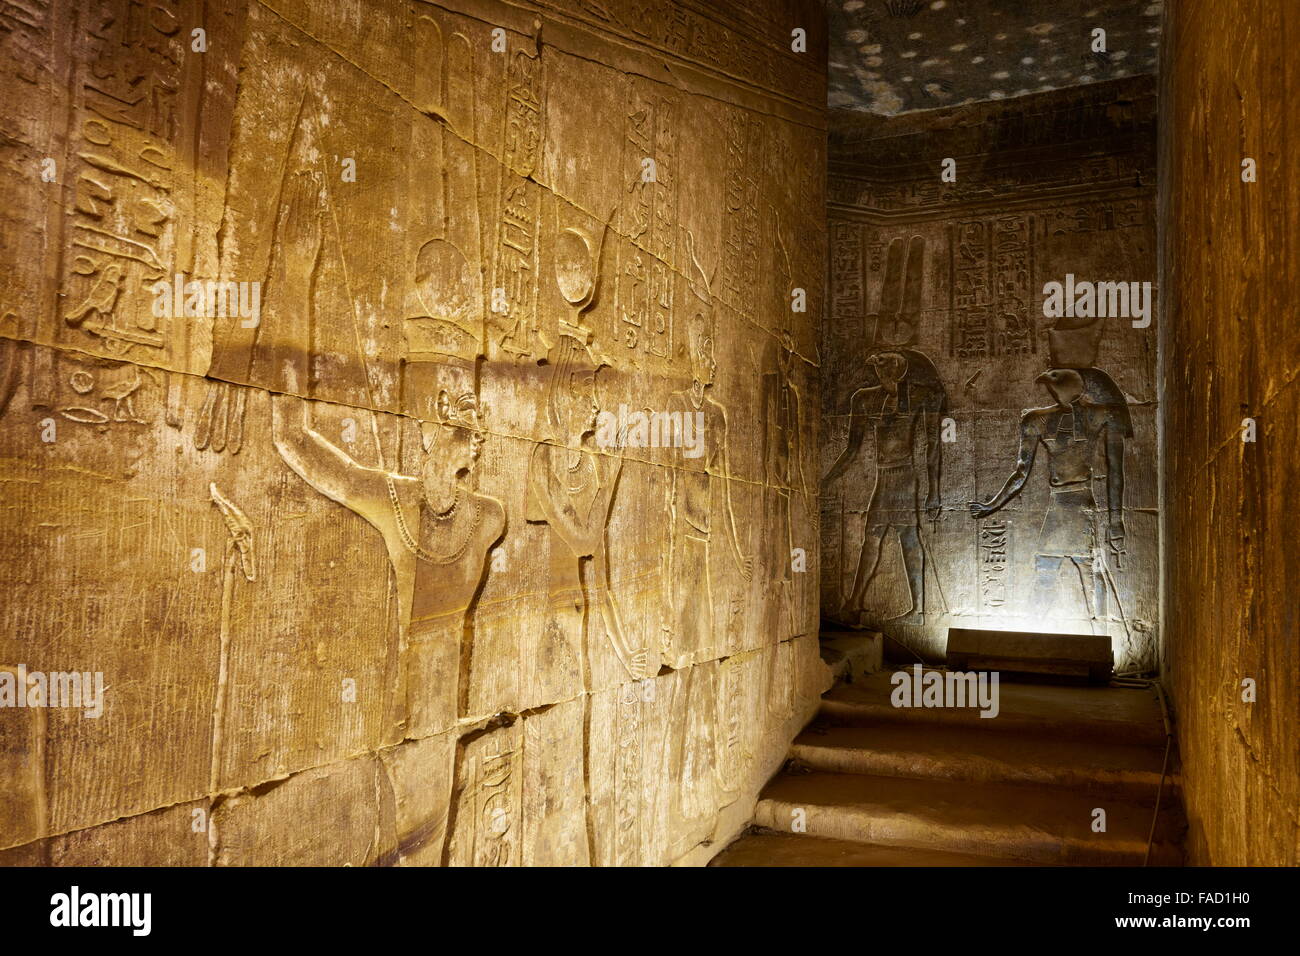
point(1069, 527)
point(894, 502)
point(449, 556)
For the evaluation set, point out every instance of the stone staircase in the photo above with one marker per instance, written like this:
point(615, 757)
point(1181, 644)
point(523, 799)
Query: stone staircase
point(868, 784)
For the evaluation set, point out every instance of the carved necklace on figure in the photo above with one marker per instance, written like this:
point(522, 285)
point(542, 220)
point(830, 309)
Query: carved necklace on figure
point(445, 524)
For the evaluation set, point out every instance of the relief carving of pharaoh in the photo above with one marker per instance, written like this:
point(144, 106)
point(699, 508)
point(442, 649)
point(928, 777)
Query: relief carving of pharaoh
point(436, 526)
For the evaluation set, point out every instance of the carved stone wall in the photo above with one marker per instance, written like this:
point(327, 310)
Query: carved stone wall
point(985, 465)
point(1231, 351)
point(380, 565)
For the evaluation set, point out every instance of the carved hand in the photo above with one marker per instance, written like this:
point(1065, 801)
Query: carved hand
point(979, 509)
point(1116, 536)
point(638, 665)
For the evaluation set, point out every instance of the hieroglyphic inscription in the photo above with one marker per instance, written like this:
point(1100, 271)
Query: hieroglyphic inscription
point(515, 261)
point(649, 254)
point(847, 292)
point(1095, 217)
point(971, 300)
point(735, 676)
point(629, 783)
point(489, 808)
point(995, 537)
point(846, 275)
point(991, 262)
point(742, 232)
point(1012, 266)
point(124, 148)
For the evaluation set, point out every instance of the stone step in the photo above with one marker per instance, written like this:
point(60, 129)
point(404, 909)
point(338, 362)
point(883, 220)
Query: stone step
point(766, 848)
point(960, 752)
point(1083, 713)
point(1042, 825)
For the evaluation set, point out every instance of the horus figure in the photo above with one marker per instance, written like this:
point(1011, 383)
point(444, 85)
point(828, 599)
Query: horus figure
point(571, 489)
point(436, 527)
point(698, 489)
point(902, 401)
point(1089, 420)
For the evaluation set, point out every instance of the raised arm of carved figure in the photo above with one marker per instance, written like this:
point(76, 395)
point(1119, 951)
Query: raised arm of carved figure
point(857, 431)
point(1029, 438)
point(325, 466)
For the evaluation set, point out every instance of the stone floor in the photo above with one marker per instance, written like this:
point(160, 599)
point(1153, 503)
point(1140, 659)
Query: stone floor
point(885, 786)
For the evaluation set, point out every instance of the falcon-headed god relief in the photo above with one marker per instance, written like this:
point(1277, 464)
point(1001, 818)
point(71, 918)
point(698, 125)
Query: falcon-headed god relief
point(902, 400)
point(436, 527)
point(900, 406)
point(1088, 421)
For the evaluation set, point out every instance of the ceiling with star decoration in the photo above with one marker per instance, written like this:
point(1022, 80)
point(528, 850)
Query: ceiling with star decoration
point(898, 56)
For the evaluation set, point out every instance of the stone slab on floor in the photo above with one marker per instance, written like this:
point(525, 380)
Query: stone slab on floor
point(963, 753)
point(1079, 656)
